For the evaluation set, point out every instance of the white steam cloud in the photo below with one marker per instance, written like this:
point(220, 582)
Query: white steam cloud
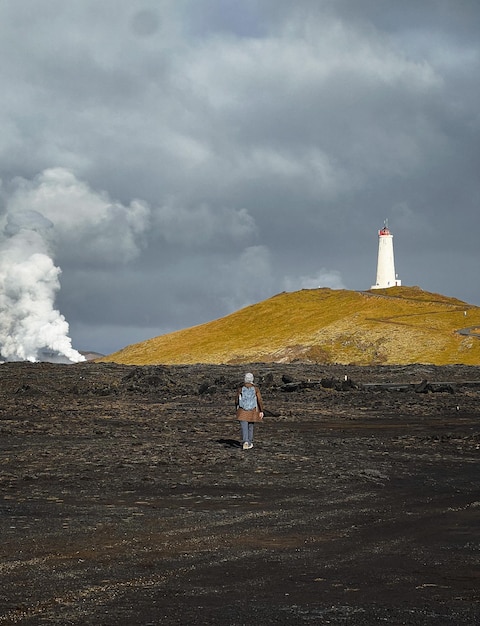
point(30, 327)
point(88, 223)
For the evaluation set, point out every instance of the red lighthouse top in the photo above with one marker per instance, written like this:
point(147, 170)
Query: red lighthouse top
point(384, 230)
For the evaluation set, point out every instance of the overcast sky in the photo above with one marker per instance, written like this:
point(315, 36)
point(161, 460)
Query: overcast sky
point(197, 156)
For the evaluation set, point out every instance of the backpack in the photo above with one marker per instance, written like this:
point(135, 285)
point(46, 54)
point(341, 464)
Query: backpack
point(248, 398)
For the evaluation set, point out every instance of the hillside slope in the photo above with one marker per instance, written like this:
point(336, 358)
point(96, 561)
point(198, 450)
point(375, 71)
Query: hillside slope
point(399, 325)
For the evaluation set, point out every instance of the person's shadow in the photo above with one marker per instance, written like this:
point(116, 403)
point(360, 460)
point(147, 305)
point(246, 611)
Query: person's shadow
point(229, 443)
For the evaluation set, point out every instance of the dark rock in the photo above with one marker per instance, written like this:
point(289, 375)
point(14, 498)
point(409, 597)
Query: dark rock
point(203, 388)
point(423, 387)
point(292, 386)
point(328, 383)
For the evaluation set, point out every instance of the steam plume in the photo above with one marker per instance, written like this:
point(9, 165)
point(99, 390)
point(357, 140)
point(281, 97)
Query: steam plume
point(30, 328)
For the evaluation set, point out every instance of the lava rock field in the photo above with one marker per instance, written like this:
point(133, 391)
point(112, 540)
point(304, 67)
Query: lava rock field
point(126, 497)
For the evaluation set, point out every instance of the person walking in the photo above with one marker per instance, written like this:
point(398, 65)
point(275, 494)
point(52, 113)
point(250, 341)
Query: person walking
point(249, 405)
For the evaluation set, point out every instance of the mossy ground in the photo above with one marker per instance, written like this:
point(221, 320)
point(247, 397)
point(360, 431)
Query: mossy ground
point(400, 325)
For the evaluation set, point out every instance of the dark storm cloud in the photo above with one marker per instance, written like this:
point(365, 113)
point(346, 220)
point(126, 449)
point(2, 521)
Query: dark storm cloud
point(194, 161)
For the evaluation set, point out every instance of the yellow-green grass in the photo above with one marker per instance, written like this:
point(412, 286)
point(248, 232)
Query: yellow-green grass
point(399, 325)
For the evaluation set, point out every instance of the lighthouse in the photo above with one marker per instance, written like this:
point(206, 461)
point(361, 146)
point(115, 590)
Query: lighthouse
point(386, 276)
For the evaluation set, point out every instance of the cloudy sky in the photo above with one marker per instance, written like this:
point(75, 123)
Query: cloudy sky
point(197, 156)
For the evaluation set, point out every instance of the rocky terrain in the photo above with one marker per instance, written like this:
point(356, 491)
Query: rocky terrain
point(127, 499)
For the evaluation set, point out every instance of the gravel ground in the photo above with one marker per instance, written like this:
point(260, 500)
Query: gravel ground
point(127, 499)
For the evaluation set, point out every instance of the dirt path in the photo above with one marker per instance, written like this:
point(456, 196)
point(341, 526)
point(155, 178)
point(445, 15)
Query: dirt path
point(469, 332)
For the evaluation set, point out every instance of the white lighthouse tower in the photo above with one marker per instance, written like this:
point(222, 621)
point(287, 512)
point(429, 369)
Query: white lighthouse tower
point(386, 276)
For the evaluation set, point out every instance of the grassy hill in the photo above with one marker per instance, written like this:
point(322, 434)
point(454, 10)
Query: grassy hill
point(399, 325)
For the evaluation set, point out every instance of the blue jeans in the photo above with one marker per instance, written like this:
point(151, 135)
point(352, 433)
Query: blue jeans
point(247, 431)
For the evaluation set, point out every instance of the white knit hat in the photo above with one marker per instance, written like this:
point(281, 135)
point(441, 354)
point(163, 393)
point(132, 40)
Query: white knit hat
point(248, 377)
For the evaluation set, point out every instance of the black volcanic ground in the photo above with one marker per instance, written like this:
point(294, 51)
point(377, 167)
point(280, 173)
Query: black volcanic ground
point(127, 500)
